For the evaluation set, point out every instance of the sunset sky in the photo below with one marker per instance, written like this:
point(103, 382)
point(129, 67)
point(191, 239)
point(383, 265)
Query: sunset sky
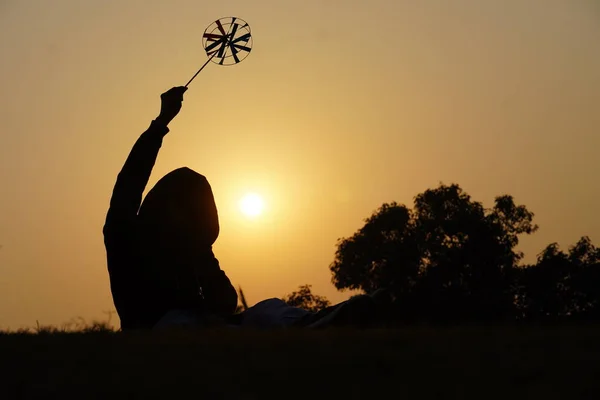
point(340, 107)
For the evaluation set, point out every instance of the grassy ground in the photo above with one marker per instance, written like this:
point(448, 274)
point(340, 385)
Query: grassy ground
point(482, 363)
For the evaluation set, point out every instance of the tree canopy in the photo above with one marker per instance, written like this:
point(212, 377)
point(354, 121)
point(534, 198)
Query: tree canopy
point(304, 298)
point(448, 258)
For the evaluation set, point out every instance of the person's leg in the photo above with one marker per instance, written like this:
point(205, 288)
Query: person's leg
point(360, 311)
point(357, 312)
point(272, 313)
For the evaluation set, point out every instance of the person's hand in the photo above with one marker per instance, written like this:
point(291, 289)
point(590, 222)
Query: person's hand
point(170, 104)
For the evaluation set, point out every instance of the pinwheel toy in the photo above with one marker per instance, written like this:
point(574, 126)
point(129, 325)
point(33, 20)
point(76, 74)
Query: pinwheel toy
point(227, 41)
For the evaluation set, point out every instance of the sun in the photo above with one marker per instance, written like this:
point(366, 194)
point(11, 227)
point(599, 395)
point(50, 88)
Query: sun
point(252, 205)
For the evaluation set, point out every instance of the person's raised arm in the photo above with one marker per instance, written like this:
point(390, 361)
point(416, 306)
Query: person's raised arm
point(133, 178)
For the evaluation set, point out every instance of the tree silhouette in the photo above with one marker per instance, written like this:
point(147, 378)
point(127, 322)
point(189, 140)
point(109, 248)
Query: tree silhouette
point(585, 264)
point(562, 285)
point(448, 258)
point(304, 298)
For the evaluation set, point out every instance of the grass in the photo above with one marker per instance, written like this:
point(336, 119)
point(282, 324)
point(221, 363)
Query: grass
point(474, 362)
point(75, 325)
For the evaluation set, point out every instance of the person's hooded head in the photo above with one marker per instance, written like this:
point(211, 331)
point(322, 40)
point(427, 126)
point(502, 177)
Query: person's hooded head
point(178, 224)
point(179, 215)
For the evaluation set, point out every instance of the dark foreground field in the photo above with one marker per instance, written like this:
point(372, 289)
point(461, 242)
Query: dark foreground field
point(482, 363)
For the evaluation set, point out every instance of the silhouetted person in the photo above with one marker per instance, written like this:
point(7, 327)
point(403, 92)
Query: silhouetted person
point(160, 253)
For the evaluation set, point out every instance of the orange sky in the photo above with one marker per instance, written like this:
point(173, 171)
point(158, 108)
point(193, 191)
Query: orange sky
point(341, 106)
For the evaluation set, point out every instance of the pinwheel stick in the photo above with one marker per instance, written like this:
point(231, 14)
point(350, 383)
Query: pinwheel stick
point(201, 68)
